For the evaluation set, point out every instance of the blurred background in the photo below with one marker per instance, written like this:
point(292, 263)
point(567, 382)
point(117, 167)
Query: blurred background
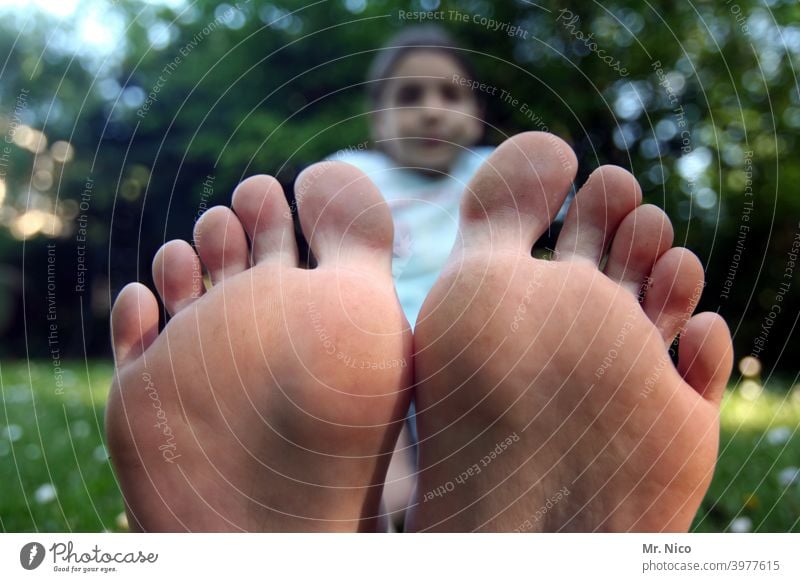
point(122, 121)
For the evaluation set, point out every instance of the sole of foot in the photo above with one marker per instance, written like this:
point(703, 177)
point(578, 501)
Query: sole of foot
point(546, 394)
point(272, 400)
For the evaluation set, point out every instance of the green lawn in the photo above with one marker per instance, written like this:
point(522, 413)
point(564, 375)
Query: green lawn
point(54, 470)
point(757, 481)
point(55, 476)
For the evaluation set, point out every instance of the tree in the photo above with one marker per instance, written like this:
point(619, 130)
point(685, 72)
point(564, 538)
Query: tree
point(699, 100)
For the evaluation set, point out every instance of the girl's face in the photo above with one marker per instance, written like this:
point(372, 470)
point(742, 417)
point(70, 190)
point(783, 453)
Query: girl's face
point(427, 118)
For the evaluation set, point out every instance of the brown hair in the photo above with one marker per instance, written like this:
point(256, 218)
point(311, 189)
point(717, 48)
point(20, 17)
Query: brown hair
point(419, 37)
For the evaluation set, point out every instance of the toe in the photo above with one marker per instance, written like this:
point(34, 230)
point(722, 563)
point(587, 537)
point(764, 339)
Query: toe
point(609, 195)
point(516, 193)
point(344, 218)
point(674, 288)
point(705, 355)
point(261, 206)
point(178, 275)
point(221, 243)
point(134, 323)
point(643, 236)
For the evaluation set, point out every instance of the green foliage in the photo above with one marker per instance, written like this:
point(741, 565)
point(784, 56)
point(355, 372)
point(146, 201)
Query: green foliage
point(275, 86)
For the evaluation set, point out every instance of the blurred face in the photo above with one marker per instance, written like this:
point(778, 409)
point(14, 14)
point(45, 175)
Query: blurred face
point(427, 119)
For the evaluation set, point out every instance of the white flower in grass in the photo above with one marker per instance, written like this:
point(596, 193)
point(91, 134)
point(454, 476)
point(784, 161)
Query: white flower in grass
point(69, 378)
point(122, 521)
point(13, 432)
point(789, 476)
point(18, 393)
point(100, 454)
point(779, 435)
point(45, 493)
point(80, 429)
point(741, 525)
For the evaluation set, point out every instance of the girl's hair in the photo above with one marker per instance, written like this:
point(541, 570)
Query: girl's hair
point(419, 37)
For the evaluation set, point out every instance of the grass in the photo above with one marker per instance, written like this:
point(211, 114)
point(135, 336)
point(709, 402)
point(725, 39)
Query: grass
point(756, 485)
point(54, 468)
point(55, 474)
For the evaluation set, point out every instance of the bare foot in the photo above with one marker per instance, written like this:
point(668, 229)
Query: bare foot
point(273, 401)
point(546, 395)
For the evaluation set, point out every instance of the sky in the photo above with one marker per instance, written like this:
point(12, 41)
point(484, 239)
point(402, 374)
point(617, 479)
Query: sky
point(90, 28)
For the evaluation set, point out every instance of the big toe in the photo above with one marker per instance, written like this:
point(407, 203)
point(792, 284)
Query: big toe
point(344, 218)
point(517, 192)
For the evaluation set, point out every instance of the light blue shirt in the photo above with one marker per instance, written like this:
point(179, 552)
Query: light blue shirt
point(425, 213)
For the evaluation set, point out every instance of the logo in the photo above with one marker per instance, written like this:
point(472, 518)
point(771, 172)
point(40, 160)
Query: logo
point(31, 555)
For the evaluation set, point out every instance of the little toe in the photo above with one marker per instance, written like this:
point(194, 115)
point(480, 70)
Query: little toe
point(178, 275)
point(221, 243)
point(673, 290)
point(705, 355)
point(134, 323)
point(344, 217)
point(260, 204)
point(643, 236)
point(599, 207)
point(515, 195)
